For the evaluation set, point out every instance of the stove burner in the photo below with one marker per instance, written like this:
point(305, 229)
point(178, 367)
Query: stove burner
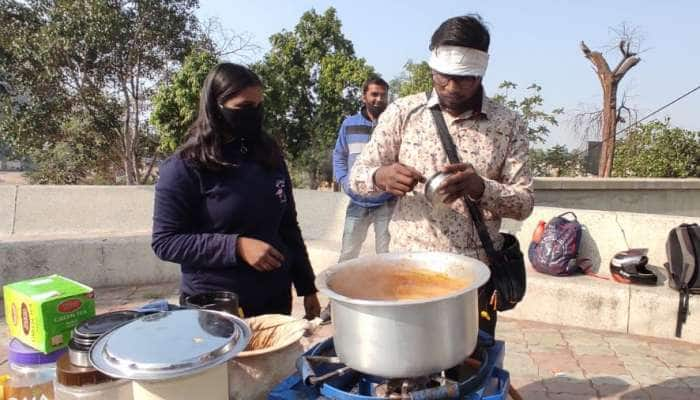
point(322, 376)
point(399, 389)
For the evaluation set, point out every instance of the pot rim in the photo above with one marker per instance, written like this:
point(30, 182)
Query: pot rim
point(481, 276)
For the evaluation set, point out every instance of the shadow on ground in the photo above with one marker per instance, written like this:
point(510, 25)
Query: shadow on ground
point(609, 387)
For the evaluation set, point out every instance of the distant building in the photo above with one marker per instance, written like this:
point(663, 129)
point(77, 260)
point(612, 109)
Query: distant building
point(592, 158)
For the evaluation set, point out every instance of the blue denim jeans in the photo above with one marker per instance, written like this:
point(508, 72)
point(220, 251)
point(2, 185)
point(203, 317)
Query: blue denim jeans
point(357, 222)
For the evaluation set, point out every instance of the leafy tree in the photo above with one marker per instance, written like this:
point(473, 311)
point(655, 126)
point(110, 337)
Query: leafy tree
point(555, 161)
point(98, 59)
point(656, 149)
point(415, 78)
point(537, 162)
point(312, 81)
point(563, 163)
point(530, 108)
point(176, 102)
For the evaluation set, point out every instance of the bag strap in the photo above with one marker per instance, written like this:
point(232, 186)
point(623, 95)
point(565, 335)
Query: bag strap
point(694, 240)
point(476, 215)
point(685, 241)
point(568, 212)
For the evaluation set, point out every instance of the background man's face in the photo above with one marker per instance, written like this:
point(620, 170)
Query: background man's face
point(376, 95)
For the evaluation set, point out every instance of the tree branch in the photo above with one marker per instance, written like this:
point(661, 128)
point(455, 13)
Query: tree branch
point(624, 66)
point(598, 61)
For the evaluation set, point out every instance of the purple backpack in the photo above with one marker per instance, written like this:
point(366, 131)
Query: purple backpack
point(557, 252)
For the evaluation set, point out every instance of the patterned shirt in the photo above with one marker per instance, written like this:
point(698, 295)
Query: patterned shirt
point(493, 139)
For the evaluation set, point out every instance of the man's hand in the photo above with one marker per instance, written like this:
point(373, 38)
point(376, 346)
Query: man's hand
point(258, 254)
point(312, 307)
point(463, 181)
point(397, 179)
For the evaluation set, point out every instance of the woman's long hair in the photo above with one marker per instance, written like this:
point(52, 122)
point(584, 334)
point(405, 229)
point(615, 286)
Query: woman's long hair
point(205, 137)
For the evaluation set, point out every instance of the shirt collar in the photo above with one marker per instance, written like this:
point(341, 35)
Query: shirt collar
point(365, 115)
point(483, 107)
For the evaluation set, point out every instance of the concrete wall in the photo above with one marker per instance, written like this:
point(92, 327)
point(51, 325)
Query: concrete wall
point(101, 236)
point(647, 196)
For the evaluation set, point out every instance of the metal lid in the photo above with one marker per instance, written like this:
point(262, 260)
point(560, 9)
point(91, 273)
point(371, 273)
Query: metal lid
point(97, 326)
point(170, 344)
point(19, 353)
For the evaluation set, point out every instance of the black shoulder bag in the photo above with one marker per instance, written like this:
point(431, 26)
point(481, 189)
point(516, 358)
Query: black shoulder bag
point(507, 266)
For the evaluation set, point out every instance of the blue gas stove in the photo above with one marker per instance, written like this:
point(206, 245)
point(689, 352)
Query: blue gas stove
point(321, 375)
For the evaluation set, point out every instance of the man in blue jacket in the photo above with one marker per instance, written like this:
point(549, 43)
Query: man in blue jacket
point(362, 211)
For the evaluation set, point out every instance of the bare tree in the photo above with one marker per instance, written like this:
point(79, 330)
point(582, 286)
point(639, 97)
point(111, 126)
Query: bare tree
point(227, 43)
point(587, 120)
point(628, 45)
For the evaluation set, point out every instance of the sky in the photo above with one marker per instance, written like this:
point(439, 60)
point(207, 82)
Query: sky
point(533, 41)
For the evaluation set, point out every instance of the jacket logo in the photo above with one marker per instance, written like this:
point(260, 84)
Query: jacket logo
point(280, 191)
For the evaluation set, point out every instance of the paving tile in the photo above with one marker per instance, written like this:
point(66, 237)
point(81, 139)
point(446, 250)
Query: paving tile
point(632, 393)
point(527, 384)
point(545, 339)
point(666, 393)
point(561, 385)
point(641, 363)
point(630, 349)
point(526, 395)
point(588, 350)
point(611, 391)
point(551, 364)
point(570, 396)
point(661, 379)
point(520, 365)
point(619, 380)
point(691, 376)
point(678, 358)
point(585, 339)
point(597, 364)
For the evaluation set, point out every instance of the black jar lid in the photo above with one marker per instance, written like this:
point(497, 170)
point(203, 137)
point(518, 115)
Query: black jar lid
point(90, 330)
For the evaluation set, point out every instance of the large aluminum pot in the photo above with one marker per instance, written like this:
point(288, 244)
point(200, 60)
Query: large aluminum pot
point(405, 338)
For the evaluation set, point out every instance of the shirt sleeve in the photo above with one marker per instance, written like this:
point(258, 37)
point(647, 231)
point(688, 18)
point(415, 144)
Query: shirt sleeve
point(177, 194)
point(300, 266)
point(382, 149)
point(340, 159)
point(512, 196)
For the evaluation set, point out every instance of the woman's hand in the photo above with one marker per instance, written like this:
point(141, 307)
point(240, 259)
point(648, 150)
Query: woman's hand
point(258, 254)
point(312, 306)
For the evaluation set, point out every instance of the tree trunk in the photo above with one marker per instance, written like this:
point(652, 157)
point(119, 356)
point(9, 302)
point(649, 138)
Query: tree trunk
point(126, 138)
point(608, 128)
point(609, 80)
point(313, 177)
point(136, 133)
point(145, 177)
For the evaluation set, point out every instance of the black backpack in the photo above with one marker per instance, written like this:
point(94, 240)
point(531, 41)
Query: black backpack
point(683, 252)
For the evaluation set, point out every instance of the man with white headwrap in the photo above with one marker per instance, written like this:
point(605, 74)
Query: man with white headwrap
point(491, 141)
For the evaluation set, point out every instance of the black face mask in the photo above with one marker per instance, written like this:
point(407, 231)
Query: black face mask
point(376, 110)
point(245, 122)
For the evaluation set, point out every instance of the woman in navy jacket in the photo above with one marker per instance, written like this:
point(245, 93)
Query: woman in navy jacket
point(224, 208)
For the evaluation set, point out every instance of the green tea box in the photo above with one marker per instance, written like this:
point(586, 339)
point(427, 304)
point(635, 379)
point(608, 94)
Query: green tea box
point(42, 312)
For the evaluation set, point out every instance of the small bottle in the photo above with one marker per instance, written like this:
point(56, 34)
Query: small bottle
point(3, 379)
point(31, 373)
point(539, 232)
point(86, 383)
